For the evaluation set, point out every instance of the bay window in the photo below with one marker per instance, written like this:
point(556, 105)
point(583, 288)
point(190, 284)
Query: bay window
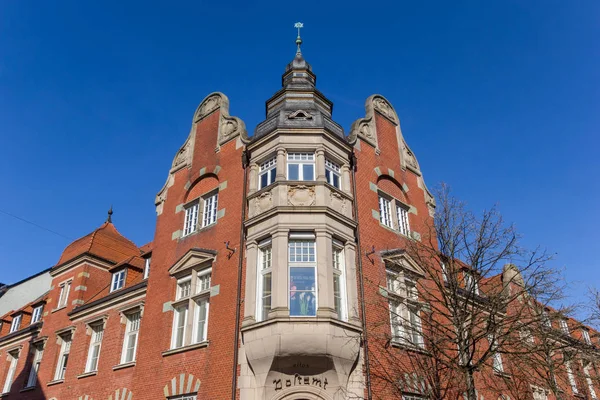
point(302, 272)
point(332, 174)
point(339, 280)
point(266, 173)
point(301, 166)
point(264, 280)
point(132, 327)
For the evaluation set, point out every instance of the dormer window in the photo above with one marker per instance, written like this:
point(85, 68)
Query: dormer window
point(301, 166)
point(16, 323)
point(118, 280)
point(36, 316)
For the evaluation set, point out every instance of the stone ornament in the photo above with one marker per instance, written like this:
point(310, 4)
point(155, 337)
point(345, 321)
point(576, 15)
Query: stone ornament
point(300, 115)
point(384, 108)
point(121, 394)
point(337, 202)
point(409, 158)
point(181, 384)
point(301, 195)
point(261, 203)
point(229, 128)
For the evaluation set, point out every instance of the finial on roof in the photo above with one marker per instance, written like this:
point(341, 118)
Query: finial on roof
point(298, 39)
point(110, 213)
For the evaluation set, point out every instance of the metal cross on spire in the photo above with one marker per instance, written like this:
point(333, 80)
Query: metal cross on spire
point(298, 25)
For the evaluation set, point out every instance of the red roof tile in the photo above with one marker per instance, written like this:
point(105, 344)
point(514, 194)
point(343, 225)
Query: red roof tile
point(105, 242)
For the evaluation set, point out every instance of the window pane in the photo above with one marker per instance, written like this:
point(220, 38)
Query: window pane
point(201, 320)
point(308, 171)
point(264, 180)
point(293, 174)
point(337, 296)
point(302, 291)
point(266, 296)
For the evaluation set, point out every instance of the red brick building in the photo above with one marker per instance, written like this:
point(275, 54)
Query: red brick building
point(254, 286)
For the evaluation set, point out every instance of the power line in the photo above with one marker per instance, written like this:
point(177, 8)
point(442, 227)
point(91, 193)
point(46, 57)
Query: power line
point(34, 224)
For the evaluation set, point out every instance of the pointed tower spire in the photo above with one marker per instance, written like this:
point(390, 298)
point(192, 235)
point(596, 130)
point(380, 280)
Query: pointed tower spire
point(110, 213)
point(298, 25)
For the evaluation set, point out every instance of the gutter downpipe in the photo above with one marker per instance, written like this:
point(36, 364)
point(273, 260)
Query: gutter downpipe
point(236, 341)
point(353, 165)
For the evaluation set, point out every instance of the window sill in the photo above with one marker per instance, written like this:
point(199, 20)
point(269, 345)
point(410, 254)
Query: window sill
point(124, 365)
point(502, 374)
point(27, 389)
point(59, 308)
point(197, 231)
point(3, 395)
point(185, 348)
point(86, 374)
point(408, 347)
point(55, 382)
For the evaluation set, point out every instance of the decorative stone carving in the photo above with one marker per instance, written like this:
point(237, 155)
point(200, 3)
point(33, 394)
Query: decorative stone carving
point(210, 103)
point(262, 203)
point(300, 115)
point(301, 195)
point(384, 108)
point(430, 201)
point(337, 202)
point(179, 385)
point(408, 157)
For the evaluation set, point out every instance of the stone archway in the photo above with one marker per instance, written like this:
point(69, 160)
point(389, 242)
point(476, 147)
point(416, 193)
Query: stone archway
point(303, 394)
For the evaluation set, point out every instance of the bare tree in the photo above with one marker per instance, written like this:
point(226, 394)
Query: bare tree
point(479, 296)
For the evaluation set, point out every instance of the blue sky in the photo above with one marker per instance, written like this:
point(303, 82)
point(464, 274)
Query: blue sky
point(499, 99)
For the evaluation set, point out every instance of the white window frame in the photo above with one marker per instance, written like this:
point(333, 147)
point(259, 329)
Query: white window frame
point(267, 168)
point(385, 211)
point(184, 397)
point(63, 298)
point(402, 217)
point(471, 283)
point(339, 276)
point(405, 309)
point(12, 368)
point(93, 356)
point(586, 336)
point(35, 365)
point(15, 324)
point(298, 240)
point(564, 326)
point(332, 171)
point(190, 222)
point(118, 280)
point(301, 159)
point(147, 267)
point(497, 364)
point(264, 273)
point(571, 377)
point(36, 314)
point(63, 356)
point(210, 209)
point(193, 297)
point(132, 334)
point(588, 381)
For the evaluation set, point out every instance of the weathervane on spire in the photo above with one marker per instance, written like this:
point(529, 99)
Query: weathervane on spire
point(298, 25)
point(110, 213)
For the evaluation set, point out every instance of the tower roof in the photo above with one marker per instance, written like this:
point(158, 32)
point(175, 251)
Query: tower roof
point(104, 242)
point(298, 104)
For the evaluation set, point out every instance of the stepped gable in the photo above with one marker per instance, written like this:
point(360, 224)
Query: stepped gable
point(105, 242)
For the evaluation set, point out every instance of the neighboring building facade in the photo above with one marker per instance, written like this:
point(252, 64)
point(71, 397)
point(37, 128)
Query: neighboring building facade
point(254, 286)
